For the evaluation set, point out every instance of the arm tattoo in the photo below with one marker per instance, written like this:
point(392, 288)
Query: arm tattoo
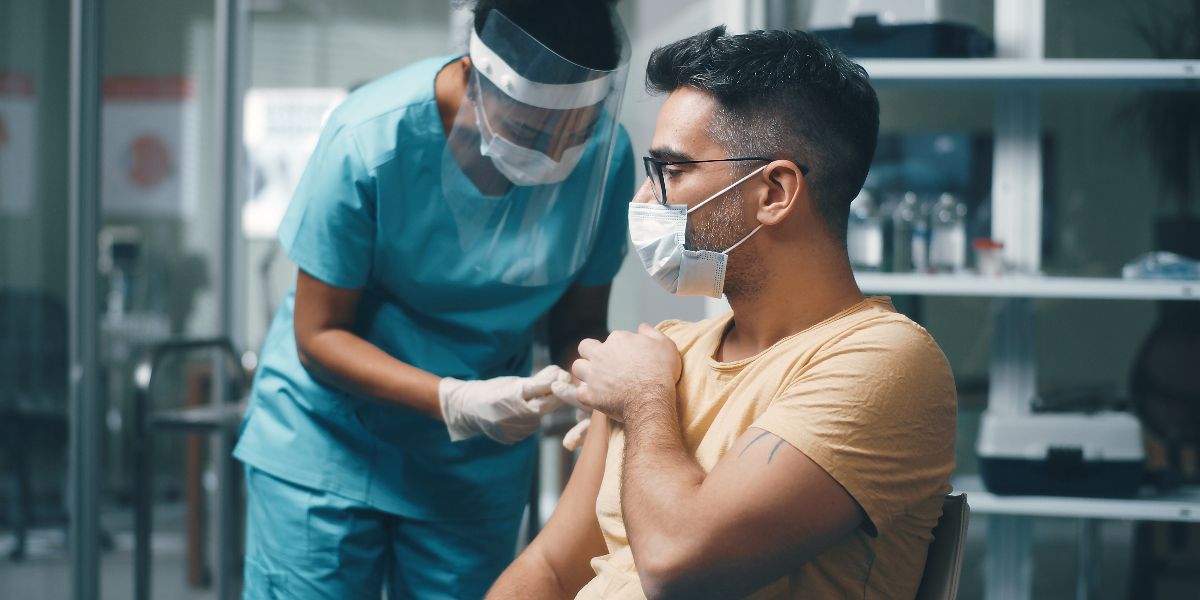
point(774, 450)
point(760, 436)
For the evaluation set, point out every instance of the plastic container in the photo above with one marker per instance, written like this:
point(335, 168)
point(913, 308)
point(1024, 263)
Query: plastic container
point(989, 257)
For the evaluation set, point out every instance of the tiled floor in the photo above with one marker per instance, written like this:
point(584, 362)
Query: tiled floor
point(43, 575)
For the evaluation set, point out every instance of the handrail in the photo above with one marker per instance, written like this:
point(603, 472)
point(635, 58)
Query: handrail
point(143, 375)
point(143, 379)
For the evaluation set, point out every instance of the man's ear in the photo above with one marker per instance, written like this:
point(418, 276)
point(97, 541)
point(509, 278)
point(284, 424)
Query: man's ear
point(784, 192)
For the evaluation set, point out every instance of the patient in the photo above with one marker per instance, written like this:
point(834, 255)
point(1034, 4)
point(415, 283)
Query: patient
point(797, 447)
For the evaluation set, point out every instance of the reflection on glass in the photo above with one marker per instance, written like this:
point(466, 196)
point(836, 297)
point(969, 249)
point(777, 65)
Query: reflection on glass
point(33, 302)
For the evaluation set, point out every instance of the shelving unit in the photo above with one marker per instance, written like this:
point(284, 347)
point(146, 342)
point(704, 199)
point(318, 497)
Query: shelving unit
point(1182, 505)
point(1028, 286)
point(1034, 72)
point(1016, 77)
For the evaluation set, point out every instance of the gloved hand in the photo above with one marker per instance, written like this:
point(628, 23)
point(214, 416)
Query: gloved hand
point(506, 409)
point(577, 434)
point(569, 394)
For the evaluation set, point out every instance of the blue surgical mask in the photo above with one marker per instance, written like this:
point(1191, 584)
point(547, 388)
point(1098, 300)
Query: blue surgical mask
point(659, 232)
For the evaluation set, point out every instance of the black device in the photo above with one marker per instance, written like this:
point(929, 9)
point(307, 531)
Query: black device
point(868, 38)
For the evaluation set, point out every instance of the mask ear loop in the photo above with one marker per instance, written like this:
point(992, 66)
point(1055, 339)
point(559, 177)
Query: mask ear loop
point(727, 188)
point(743, 240)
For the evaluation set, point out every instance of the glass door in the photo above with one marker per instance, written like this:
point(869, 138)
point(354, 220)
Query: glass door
point(34, 299)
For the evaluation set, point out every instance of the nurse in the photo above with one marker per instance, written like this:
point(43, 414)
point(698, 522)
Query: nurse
point(448, 208)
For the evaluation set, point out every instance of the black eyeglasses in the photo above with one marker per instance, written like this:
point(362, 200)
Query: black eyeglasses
point(658, 184)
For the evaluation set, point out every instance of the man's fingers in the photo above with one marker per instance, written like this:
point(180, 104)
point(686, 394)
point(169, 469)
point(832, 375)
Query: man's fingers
point(588, 347)
point(583, 394)
point(582, 369)
point(651, 331)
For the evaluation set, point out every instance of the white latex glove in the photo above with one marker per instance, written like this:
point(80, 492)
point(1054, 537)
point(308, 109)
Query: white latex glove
point(569, 393)
point(577, 434)
point(506, 409)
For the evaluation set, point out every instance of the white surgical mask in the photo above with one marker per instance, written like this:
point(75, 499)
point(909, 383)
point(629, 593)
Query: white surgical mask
point(521, 165)
point(658, 233)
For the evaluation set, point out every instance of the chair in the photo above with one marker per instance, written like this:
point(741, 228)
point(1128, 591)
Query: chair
point(220, 421)
point(33, 393)
point(944, 563)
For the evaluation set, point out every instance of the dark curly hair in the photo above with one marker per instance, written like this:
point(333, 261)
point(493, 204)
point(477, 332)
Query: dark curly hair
point(783, 94)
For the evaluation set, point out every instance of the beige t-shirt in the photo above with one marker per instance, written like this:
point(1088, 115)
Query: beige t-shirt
point(866, 394)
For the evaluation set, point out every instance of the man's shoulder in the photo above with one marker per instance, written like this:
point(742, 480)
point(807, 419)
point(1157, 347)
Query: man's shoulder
point(880, 343)
point(881, 326)
point(683, 333)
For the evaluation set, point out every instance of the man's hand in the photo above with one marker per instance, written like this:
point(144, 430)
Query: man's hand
point(617, 373)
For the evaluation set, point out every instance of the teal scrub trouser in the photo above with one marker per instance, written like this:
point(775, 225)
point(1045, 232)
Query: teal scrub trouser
point(303, 543)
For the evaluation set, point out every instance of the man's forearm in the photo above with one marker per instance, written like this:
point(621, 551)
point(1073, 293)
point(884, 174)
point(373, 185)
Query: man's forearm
point(658, 478)
point(527, 577)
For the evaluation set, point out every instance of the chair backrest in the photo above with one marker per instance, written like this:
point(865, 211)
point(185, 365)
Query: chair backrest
point(944, 563)
point(33, 345)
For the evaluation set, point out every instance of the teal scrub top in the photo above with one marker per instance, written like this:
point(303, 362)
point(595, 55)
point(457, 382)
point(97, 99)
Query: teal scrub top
point(370, 213)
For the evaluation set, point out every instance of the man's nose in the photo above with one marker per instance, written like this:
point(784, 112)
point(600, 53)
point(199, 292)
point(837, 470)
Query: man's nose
point(644, 195)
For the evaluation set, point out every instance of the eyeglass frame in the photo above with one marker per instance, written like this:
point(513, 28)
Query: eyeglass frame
point(647, 161)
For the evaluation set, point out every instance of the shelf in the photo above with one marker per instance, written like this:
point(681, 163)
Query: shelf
point(1183, 505)
point(1027, 286)
point(1050, 72)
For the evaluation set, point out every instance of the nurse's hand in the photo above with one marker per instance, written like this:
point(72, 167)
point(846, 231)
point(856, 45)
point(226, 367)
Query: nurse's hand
point(575, 437)
point(506, 409)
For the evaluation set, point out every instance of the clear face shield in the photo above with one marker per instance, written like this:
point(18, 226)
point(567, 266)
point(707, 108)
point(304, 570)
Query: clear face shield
point(528, 157)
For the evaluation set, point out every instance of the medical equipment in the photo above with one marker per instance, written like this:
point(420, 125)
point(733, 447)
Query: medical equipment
point(901, 29)
point(1061, 454)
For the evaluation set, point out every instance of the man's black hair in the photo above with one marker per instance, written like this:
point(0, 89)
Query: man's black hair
point(581, 31)
point(782, 94)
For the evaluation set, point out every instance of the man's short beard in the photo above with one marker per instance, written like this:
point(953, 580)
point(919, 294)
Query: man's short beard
point(724, 227)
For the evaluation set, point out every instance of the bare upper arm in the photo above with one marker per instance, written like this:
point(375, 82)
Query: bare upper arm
point(571, 538)
point(768, 508)
point(320, 306)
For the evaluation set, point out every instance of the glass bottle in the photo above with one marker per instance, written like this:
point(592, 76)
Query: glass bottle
point(904, 224)
point(948, 239)
point(864, 233)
